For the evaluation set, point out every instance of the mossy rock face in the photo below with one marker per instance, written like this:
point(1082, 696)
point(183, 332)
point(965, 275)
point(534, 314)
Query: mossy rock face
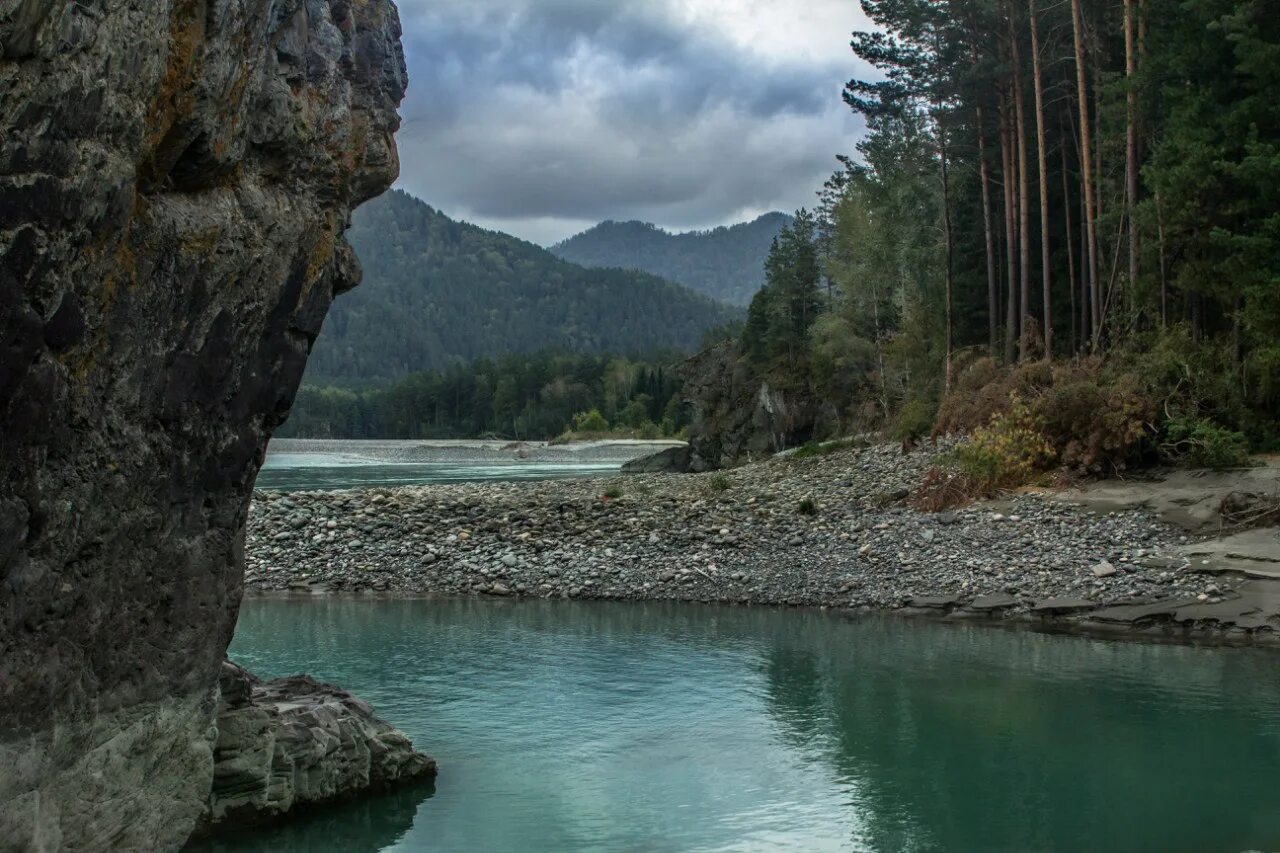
point(177, 178)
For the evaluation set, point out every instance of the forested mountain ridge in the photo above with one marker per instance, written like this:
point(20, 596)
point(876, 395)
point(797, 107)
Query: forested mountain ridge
point(438, 292)
point(725, 263)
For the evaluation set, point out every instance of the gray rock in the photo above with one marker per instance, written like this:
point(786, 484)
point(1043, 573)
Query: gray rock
point(1062, 604)
point(296, 741)
point(177, 178)
point(1104, 570)
point(672, 459)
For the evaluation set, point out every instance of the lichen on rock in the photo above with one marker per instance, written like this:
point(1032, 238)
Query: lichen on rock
point(175, 178)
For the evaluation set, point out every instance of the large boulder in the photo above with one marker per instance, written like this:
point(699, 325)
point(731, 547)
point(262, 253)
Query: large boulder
point(296, 742)
point(175, 179)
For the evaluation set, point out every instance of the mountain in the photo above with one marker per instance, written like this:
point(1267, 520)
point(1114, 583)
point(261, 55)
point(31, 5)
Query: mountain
point(437, 291)
point(725, 263)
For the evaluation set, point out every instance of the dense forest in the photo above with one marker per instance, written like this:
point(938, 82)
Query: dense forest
point(725, 263)
point(534, 396)
point(438, 292)
point(1065, 217)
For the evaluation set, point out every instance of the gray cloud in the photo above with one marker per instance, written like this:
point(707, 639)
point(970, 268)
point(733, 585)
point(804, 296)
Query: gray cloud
point(541, 117)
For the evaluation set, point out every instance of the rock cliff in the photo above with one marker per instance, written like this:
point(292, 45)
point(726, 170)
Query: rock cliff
point(738, 416)
point(175, 178)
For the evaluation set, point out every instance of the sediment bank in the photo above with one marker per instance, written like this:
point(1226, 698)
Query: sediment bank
point(828, 531)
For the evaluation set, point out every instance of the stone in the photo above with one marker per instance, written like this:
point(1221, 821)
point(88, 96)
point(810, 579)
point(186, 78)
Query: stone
point(670, 459)
point(1062, 604)
point(176, 181)
point(1104, 570)
point(297, 741)
point(993, 601)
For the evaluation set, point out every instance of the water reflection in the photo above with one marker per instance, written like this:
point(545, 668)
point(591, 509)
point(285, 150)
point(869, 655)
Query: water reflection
point(363, 825)
point(580, 726)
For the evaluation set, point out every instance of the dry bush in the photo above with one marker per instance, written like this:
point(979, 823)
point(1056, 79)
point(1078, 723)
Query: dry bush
point(945, 488)
point(1094, 421)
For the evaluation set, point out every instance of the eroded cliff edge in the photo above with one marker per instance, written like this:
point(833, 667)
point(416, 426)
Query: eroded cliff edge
point(175, 178)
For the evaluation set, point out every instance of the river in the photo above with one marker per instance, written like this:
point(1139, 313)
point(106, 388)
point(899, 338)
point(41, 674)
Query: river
point(577, 726)
point(309, 464)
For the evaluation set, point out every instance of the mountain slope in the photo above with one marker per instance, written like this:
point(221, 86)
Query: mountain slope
point(725, 263)
point(437, 291)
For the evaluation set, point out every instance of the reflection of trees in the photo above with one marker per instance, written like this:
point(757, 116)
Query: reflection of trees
point(968, 738)
point(363, 825)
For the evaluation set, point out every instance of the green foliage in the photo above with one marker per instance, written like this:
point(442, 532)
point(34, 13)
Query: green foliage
point(807, 507)
point(1202, 444)
point(915, 420)
point(725, 263)
point(591, 421)
point(613, 491)
point(1007, 453)
point(825, 448)
point(437, 292)
point(719, 483)
point(923, 271)
point(781, 313)
point(1096, 416)
point(534, 396)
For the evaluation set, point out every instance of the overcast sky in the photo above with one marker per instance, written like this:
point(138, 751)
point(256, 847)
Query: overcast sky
point(542, 117)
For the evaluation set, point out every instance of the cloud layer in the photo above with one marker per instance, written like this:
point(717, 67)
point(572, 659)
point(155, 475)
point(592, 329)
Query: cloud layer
point(542, 117)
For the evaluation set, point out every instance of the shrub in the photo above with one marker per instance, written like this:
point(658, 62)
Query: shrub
point(718, 483)
point(1094, 419)
point(915, 421)
point(807, 507)
point(944, 488)
point(1009, 452)
point(1096, 425)
point(591, 421)
point(1203, 444)
point(613, 492)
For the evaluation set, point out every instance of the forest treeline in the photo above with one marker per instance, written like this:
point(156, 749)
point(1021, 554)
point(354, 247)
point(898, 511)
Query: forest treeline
point(536, 396)
point(1075, 205)
point(438, 292)
point(725, 263)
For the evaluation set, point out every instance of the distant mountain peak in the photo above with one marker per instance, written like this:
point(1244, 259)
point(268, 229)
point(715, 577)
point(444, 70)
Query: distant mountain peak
point(438, 291)
point(724, 263)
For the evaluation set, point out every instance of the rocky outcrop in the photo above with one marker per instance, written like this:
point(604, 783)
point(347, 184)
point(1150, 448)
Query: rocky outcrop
point(739, 416)
point(296, 742)
point(175, 178)
point(674, 460)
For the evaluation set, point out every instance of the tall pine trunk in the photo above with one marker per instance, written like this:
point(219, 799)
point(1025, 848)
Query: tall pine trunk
point(1131, 142)
point(1024, 202)
point(946, 227)
point(1045, 283)
point(993, 287)
point(1071, 257)
point(1010, 232)
point(1086, 175)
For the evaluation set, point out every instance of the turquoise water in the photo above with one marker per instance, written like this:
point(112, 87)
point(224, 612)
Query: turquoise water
point(573, 726)
point(310, 471)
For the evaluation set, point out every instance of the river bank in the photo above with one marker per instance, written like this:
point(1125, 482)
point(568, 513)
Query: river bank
point(828, 531)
